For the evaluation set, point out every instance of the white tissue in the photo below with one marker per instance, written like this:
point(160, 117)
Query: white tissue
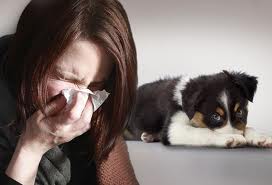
point(98, 97)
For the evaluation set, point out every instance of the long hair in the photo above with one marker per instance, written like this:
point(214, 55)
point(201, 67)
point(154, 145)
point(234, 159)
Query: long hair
point(44, 31)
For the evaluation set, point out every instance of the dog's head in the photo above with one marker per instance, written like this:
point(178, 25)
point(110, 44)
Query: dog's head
point(219, 101)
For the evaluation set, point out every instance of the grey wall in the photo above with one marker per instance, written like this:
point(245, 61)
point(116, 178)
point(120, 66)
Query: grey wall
point(205, 36)
point(195, 37)
point(10, 10)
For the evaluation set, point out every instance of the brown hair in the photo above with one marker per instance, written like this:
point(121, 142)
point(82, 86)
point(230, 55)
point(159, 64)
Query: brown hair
point(45, 29)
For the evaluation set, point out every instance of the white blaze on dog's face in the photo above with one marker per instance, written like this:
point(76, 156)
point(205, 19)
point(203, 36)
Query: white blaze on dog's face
point(230, 126)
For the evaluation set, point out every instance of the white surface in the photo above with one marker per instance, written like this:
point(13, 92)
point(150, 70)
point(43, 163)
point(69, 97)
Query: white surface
point(155, 164)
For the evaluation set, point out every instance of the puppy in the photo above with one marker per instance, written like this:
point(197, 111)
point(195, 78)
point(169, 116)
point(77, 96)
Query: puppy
point(209, 110)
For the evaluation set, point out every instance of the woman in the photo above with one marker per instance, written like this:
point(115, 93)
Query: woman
point(63, 44)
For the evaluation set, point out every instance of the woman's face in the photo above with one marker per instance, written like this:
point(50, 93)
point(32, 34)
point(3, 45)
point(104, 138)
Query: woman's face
point(83, 65)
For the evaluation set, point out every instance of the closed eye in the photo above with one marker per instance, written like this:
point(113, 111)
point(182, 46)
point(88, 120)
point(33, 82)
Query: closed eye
point(61, 77)
point(68, 77)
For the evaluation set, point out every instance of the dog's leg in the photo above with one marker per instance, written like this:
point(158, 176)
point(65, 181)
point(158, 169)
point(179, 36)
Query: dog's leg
point(254, 138)
point(180, 132)
point(148, 137)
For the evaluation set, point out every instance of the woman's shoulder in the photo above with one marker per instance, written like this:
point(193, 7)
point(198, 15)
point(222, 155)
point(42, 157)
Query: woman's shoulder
point(7, 105)
point(7, 115)
point(8, 136)
point(4, 40)
point(8, 140)
point(4, 45)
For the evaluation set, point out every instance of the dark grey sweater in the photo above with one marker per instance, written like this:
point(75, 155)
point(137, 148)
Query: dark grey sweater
point(65, 164)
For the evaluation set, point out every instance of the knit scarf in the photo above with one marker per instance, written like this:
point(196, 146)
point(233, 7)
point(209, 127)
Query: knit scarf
point(54, 168)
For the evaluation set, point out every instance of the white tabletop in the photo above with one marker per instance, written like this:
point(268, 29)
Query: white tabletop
point(155, 164)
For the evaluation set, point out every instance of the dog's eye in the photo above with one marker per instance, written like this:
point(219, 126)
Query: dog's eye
point(239, 113)
point(216, 117)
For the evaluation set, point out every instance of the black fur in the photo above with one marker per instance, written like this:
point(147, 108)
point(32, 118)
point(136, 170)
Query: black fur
point(155, 104)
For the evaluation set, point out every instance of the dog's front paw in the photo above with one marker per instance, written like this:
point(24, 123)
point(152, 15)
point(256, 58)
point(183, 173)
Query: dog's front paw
point(231, 140)
point(260, 141)
point(256, 139)
point(146, 137)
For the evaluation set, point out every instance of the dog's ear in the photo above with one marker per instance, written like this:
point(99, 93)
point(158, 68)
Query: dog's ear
point(246, 83)
point(191, 98)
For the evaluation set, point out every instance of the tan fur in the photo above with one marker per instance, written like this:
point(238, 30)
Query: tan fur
point(198, 120)
point(240, 126)
point(237, 105)
point(220, 111)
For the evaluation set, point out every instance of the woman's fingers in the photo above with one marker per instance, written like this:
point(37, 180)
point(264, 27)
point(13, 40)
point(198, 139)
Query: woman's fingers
point(53, 107)
point(73, 120)
point(61, 122)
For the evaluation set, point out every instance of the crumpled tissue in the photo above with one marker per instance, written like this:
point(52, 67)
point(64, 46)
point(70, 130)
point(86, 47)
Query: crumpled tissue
point(98, 97)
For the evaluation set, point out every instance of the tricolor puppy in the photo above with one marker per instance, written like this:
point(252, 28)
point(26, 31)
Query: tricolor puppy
point(209, 110)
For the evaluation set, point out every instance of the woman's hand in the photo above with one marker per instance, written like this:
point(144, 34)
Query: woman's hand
point(61, 123)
